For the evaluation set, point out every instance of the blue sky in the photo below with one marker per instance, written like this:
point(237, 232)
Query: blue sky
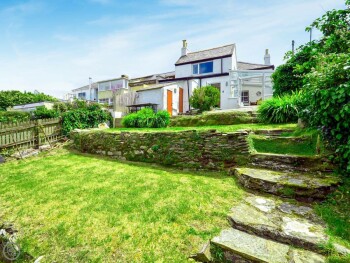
point(55, 45)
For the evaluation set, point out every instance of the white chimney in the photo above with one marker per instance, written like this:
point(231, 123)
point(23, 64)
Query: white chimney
point(184, 48)
point(267, 57)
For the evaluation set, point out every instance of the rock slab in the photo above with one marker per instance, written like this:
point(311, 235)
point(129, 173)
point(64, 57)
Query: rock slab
point(239, 246)
point(287, 184)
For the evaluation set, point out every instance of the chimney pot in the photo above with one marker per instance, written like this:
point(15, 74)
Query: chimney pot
point(184, 48)
point(267, 57)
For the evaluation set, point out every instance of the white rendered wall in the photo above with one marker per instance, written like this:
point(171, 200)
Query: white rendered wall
point(151, 96)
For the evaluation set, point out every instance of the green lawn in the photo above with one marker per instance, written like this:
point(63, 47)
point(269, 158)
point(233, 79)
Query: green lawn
point(80, 208)
point(305, 142)
point(222, 128)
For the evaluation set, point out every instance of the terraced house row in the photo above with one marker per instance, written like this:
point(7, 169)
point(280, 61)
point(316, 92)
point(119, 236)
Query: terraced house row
point(240, 83)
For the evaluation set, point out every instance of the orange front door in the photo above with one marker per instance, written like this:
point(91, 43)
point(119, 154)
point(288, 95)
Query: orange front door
point(181, 100)
point(170, 102)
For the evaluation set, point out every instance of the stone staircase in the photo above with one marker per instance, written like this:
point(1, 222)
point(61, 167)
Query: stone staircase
point(275, 222)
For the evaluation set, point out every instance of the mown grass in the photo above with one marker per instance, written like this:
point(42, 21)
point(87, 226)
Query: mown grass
point(79, 208)
point(301, 146)
point(222, 128)
point(297, 142)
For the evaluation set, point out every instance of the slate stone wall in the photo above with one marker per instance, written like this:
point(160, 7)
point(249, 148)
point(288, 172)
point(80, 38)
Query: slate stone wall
point(186, 149)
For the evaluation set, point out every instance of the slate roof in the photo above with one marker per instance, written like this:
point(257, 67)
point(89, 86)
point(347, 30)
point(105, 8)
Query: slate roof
point(206, 54)
point(93, 86)
point(252, 66)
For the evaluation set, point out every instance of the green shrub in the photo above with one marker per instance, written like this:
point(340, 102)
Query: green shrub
point(162, 119)
point(130, 121)
point(42, 112)
point(146, 118)
point(84, 118)
point(205, 98)
point(14, 116)
point(283, 109)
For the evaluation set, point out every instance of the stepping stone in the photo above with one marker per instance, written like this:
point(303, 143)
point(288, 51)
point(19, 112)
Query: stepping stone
point(239, 246)
point(279, 220)
point(285, 162)
point(287, 184)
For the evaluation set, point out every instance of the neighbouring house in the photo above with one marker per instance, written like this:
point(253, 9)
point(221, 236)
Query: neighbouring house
point(146, 81)
point(107, 89)
point(88, 92)
point(29, 107)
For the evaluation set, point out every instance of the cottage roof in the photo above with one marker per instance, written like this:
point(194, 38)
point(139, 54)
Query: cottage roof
point(252, 66)
point(207, 54)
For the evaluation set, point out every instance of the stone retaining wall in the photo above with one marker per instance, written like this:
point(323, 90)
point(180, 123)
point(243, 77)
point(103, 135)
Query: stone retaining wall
point(187, 149)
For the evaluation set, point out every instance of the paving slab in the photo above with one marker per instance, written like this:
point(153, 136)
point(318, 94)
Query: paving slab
point(239, 246)
point(287, 184)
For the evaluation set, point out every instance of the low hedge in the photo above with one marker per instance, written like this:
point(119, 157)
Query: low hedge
point(14, 116)
point(210, 119)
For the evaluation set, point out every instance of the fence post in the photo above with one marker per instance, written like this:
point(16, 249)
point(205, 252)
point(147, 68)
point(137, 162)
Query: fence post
point(37, 133)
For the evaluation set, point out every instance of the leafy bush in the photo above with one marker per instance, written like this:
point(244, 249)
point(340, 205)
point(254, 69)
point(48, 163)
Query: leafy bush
point(14, 116)
point(289, 77)
point(9, 98)
point(280, 109)
point(42, 112)
point(84, 118)
point(162, 119)
point(146, 118)
point(205, 98)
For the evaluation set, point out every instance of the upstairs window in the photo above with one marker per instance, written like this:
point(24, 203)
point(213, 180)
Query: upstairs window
point(203, 68)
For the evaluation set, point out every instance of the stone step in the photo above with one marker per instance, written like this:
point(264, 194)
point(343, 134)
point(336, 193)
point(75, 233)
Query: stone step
point(287, 222)
point(272, 132)
point(233, 245)
point(284, 162)
point(300, 186)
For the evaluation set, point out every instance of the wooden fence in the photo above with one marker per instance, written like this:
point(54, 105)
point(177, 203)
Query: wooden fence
point(30, 134)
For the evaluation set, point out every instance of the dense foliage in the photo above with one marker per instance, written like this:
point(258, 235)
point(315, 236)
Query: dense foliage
point(14, 116)
point(289, 77)
point(205, 98)
point(85, 117)
point(282, 109)
point(9, 98)
point(42, 112)
point(322, 71)
point(146, 118)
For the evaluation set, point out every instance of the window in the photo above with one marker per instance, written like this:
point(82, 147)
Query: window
point(245, 97)
point(195, 69)
point(104, 101)
point(203, 68)
point(81, 95)
point(104, 86)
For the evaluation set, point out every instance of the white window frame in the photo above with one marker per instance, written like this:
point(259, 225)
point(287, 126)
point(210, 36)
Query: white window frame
point(198, 68)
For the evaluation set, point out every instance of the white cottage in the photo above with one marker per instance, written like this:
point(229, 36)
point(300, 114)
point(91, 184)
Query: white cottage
point(240, 83)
